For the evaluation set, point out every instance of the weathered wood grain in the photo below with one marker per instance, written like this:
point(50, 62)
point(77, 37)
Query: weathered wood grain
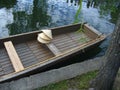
point(13, 56)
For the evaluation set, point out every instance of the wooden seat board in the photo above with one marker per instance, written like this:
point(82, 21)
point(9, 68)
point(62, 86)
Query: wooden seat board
point(53, 49)
point(16, 62)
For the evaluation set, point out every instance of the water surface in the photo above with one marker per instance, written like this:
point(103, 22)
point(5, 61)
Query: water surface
point(20, 16)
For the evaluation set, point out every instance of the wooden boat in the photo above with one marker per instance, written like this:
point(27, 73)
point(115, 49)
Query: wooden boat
point(22, 54)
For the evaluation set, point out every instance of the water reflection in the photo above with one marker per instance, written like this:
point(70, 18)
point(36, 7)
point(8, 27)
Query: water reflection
point(22, 17)
point(6, 17)
point(106, 7)
point(39, 17)
point(75, 2)
point(28, 15)
point(7, 3)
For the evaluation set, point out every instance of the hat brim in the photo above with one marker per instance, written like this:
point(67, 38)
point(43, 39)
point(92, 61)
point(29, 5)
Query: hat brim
point(42, 41)
point(43, 36)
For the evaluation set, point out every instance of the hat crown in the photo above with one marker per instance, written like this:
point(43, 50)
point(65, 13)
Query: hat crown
point(48, 33)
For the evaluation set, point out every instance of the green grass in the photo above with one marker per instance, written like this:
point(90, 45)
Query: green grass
point(80, 83)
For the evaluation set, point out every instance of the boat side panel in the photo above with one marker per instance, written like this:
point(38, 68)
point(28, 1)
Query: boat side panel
point(20, 38)
point(69, 28)
point(90, 32)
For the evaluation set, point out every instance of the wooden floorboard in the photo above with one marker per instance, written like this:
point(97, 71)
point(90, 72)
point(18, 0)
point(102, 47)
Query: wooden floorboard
point(44, 56)
point(78, 36)
point(27, 64)
point(65, 44)
point(1, 70)
point(33, 52)
point(25, 54)
point(27, 60)
point(68, 41)
point(41, 52)
point(5, 62)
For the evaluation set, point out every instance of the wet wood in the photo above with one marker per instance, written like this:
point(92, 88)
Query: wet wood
point(13, 56)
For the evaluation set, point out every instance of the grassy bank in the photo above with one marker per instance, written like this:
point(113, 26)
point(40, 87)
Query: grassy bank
point(80, 83)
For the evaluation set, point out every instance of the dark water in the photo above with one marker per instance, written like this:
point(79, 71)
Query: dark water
point(20, 16)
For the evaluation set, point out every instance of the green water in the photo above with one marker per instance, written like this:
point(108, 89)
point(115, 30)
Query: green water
point(20, 16)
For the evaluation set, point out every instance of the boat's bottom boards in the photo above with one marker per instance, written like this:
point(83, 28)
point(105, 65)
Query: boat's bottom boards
point(14, 58)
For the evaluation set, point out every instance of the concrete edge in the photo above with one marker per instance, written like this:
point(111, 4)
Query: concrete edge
point(52, 76)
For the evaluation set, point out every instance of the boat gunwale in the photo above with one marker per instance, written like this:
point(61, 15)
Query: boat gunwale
point(2, 40)
point(14, 38)
point(38, 31)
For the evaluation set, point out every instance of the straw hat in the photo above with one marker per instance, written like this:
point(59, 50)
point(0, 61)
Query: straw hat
point(42, 40)
point(48, 33)
point(43, 36)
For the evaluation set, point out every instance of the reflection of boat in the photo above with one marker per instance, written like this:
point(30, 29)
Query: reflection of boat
point(22, 55)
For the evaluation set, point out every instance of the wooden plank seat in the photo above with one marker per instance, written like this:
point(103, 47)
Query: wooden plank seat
point(15, 60)
point(45, 37)
point(53, 49)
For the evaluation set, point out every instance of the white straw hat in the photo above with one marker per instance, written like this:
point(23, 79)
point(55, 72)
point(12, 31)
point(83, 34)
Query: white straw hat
point(48, 33)
point(43, 36)
point(42, 40)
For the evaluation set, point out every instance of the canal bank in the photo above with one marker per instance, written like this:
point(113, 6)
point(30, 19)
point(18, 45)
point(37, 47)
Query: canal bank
point(52, 76)
point(57, 75)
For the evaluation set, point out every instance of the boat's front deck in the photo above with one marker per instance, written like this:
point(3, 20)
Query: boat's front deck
point(32, 52)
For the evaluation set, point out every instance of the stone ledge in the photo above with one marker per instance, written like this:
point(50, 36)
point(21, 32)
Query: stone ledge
point(56, 75)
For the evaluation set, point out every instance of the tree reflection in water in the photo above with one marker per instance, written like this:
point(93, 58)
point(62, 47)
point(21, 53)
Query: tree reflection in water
point(76, 2)
point(106, 7)
point(24, 22)
point(39, 16)
point(7, 3)
point(36, 14)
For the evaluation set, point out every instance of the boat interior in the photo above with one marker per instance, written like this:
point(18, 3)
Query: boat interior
point(20, 52)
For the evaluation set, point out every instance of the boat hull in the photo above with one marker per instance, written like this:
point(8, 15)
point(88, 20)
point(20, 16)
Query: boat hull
point(64, 40)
